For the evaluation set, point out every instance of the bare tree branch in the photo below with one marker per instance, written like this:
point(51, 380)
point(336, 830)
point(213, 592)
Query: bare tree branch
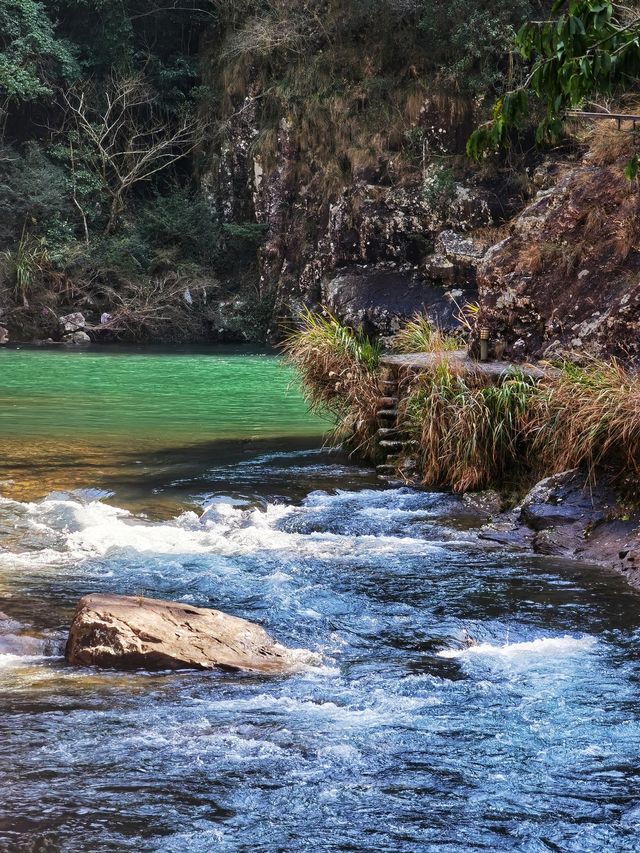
point(131, 138)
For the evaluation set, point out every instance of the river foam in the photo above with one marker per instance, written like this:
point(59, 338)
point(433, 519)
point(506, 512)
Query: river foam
point(546, 646)
point(82, 529)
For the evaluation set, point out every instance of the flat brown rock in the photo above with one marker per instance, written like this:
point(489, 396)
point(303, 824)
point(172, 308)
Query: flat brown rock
point(132, 632)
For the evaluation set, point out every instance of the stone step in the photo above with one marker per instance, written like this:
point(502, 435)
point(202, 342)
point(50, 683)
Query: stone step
point(389, 433)
point(394, 459)
point(392, 446)
point(387, 402)
point(387, 387)
point(390, 480)
point(388, 414)
point(387, 374)
point(386, 470)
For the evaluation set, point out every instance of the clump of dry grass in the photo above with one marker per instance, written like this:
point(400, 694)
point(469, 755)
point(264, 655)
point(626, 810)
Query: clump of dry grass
point(337, 367)
point(608, 144)
point(587, 417)
point(420, 335)
point(468, 430)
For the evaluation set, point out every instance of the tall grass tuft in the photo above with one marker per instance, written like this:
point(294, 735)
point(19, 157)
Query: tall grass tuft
point(337, 367)
point(420, 335)
point(587, 417)
point(469, 431)
point(27, 264)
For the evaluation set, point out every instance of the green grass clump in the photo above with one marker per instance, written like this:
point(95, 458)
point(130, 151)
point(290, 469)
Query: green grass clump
point(420, 335)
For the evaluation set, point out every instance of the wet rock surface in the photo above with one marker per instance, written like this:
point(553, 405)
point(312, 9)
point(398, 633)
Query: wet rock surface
point(564, 515)
point(133, 632)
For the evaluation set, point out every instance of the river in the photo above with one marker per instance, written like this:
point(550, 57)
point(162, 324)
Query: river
point(199, 476)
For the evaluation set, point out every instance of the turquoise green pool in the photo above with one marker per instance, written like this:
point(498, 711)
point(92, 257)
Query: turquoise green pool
point(112, 417)
point(169, 396)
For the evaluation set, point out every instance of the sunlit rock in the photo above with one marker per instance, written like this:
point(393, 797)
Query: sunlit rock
point(73, 322)
point(132, 632)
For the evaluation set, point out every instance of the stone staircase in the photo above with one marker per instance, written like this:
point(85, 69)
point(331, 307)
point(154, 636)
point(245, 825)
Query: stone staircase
point(394, 445)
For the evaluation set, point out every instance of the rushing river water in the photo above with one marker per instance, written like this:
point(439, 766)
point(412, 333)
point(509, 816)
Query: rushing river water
point(200, 477)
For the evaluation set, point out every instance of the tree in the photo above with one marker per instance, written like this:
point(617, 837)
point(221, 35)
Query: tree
point(129, 137)
point(591, 48)
point(33, 59)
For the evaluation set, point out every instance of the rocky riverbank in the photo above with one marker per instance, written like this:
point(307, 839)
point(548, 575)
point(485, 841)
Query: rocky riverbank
point(564, 516)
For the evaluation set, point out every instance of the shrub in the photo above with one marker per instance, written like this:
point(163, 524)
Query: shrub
point(33, 190)
point(182, 219)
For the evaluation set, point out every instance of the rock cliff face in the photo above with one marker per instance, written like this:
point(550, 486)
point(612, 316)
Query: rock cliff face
point(567, 277)
point(374, 249)
point(378, 239)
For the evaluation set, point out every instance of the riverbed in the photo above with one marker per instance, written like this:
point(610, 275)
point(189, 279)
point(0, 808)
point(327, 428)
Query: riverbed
point(469, 698)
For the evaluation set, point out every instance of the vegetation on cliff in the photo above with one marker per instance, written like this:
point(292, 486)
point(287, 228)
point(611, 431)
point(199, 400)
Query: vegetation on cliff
point(115, 116)
point(587, 49)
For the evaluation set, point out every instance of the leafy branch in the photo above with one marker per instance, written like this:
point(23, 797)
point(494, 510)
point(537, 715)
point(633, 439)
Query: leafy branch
point(591, 48)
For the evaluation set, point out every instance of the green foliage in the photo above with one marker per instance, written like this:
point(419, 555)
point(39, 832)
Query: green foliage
point(467, 40)
point(26, 264)
point(590, 48)
point(33, 190)
point(182, 219)
point(438, 188)
point(326, 332)
point(32, 55)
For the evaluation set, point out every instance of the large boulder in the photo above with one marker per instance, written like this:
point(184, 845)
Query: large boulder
point(132, 632)
point(380, 301)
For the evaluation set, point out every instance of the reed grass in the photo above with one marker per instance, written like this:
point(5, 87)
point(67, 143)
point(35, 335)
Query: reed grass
point(421, 335)
point(469, 431)
point(473, 432)
point(588, 417)
point(337, 367)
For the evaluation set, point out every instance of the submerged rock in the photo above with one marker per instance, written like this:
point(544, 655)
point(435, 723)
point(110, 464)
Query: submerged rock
point(14, 640)
point(132, 632)
point(77, 339)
